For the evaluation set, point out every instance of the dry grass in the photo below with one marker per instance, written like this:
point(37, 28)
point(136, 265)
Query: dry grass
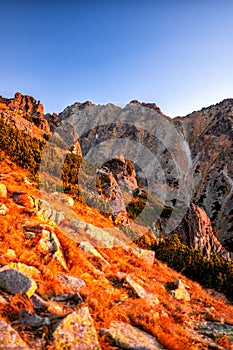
point(107, 297)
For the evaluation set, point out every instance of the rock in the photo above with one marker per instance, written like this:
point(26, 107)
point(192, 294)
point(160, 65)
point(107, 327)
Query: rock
point(177, 289)
point(22, 198)
point(39, 303)
point(88, 248)
point(124, 336)
point(3, 209)
point(205, 341)
point(68, 200)
point(144, 254)
point(42, 305)
point(10, 254)
point(111, 192)
point(3, 300)
point(215, 330)
point(32, 321)
point(73, 284)
point(30, 109)
point(69, 299)
point(49, 243)
point(149, 298)
point(196, 231)
point(3, 191)
point(210, 137)
point(9, 336)
point(76, 331)
point(29, 271)
point(14, 282)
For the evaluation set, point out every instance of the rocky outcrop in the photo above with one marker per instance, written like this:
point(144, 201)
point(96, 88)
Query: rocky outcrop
point(27, 104)
point(24, 112)
point(196, 231)
point(111, 192)
point(209, 133)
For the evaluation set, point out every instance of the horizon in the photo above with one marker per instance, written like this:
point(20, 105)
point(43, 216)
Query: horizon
point(177, 55)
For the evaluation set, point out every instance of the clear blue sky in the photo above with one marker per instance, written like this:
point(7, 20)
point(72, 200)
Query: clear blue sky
point(178, 54)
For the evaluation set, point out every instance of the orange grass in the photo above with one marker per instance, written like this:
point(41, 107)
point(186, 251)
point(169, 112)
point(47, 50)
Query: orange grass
point(108, 299)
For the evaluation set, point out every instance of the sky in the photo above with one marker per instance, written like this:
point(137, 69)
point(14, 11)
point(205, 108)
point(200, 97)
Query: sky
point(178, 54)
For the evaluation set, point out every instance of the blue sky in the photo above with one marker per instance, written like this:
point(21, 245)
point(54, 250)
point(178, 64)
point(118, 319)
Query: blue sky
point(178, 54)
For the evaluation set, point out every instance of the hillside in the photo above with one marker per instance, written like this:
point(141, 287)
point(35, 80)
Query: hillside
point(73, 276)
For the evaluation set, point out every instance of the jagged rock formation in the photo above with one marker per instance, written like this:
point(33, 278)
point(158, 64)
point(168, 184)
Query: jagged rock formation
point(209, 133)
point(196, 231)
point(24, 112)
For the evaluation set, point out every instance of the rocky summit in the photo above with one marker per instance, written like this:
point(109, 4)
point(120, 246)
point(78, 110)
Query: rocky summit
point(115, 227)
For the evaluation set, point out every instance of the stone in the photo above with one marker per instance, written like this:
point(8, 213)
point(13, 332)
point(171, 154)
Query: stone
point(177, 289)
point(111, 192)
point(206, 341)
point(9, 336)
point(22, 198)
point(88, 248)
point(196, 231)
point(125, 336)
point(49, 243)
point(68, 200)
point(3, 191)
point(73, 284)
point(215, 330)
point(144, 254)
point(14, 282)
point(3, 301)
point(149, 298)
point(10, 254)
point(29, 271)
point(3, 209)
point(33, 321)
point(76, 331)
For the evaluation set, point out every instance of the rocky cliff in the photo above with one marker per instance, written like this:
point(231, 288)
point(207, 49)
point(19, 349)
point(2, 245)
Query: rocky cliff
point(25, 113)
point(209, 133)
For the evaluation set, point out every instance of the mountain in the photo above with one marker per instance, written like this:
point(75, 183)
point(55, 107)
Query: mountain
point(87, 233)
point(209, 133)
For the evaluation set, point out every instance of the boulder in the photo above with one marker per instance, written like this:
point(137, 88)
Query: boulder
point(76, 331)
point(8, 336)
point(3, 191)
point(88, 248)
point(3, 209)
point(144, 254)
point(178, 289)
point(24, 199)
point(72, 284)
point(14, 282)
point(49, 243)
point(32, 321)
point(10, 254)
point(68, 200)
point(125, 336)
point(215, 330)
point(149, 298)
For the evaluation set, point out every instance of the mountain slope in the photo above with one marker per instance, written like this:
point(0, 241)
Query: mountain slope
point(210, 136)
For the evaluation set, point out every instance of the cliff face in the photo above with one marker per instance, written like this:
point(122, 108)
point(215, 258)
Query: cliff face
point(196, 231)
point(209, 133)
